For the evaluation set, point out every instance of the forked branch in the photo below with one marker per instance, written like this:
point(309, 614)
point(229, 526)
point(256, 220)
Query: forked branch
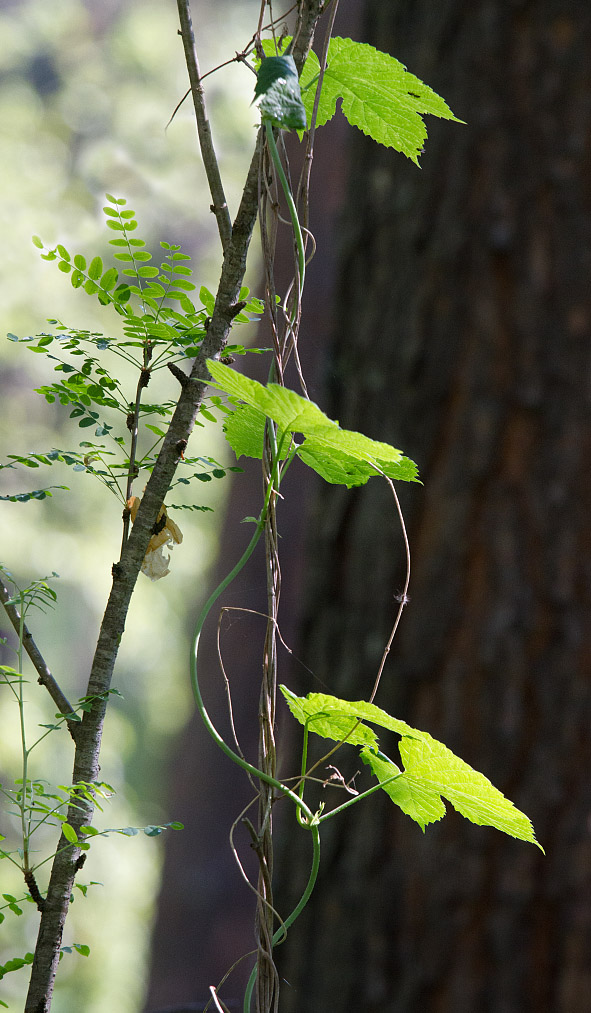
point(38, 661)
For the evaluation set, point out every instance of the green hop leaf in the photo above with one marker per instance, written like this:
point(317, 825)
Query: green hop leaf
point(278, 92)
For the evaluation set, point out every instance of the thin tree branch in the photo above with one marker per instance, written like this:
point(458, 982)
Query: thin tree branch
point(303, 37)
point(41, 667)
point(133, 424)
point(219, 206)
point(304, 186)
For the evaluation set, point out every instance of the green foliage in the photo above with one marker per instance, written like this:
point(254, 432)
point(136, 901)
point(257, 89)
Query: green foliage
point(17, 962)
point(15, 965)
point(12, 904)
point(278, 93)
point(151, 830)
point(32, 801)
point(37, 595)
point(340, 456)
point(379, 96)
point(80, 948)
point(41, 805)
point(431, 772)
point(38, 804)
point(143, 301)
point(24, 497)
point(161, 326)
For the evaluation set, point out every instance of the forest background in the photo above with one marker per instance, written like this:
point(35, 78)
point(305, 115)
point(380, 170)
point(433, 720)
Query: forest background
point(469, 347)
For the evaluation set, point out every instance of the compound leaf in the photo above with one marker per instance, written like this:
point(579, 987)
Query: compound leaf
point(24, 497)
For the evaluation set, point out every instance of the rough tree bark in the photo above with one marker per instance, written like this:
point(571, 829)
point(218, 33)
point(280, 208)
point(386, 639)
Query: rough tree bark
point(462, 335)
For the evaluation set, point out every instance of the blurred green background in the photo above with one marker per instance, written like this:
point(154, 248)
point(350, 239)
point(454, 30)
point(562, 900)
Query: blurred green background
point(86, 91)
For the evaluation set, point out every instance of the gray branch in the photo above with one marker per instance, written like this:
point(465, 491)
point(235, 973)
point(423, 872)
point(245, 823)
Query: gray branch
point(45, 677)
point(219, 205)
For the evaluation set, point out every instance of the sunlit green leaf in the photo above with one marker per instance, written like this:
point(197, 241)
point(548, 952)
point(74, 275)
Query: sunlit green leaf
point(95, 268)
point(69, 833)
point(339, 455)
point(207, 299)
point(378, 94)
point(109, 279)
point(431, 771)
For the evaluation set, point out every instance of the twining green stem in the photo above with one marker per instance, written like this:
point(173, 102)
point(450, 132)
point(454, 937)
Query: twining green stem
point(280, 934)
point(308, 819)
point(250, 768)
point(303, 769)
point(297, 232)
point(304, 814)
point(364, 794)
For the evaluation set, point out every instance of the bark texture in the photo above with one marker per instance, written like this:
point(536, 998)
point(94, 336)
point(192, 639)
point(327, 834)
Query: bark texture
point(462, 336)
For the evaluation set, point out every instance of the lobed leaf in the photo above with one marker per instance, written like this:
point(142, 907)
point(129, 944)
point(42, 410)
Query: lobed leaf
point(319, 713)
point(338, 455)
point(245, 431)
point(431, 771)
point(378, 95)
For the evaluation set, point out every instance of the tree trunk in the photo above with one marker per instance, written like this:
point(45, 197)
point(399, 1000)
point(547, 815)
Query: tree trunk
point(462, 336)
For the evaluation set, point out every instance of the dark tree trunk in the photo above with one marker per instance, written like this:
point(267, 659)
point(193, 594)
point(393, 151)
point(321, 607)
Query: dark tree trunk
point(462, 335)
